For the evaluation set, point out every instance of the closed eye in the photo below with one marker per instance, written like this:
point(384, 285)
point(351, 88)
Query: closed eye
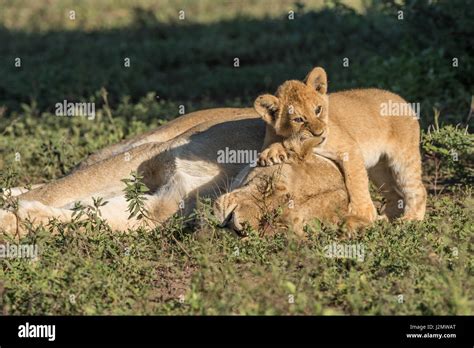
point(318, 110)
point(298, 120)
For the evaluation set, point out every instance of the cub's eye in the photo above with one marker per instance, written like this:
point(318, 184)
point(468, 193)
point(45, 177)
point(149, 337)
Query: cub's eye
point(298, 120)
point(318, 110)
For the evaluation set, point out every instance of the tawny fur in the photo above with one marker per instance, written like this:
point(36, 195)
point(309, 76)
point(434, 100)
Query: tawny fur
point(288, 196)
point(351, 131)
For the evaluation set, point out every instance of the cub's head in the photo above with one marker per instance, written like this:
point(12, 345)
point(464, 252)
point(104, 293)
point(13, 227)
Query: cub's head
point(298, 109)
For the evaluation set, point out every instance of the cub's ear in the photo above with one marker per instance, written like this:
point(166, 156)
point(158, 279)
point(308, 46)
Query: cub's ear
point(318, 79)
point(267, 107)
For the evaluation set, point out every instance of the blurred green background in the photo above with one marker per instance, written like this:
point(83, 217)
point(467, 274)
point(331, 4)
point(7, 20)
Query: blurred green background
point(191, 61)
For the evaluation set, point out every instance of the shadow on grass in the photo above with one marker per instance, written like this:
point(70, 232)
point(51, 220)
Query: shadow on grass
point(195, 63)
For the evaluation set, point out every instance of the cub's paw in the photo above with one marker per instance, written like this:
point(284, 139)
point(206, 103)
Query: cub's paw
point(366, 212)
point(274, 154)
point(353, 226)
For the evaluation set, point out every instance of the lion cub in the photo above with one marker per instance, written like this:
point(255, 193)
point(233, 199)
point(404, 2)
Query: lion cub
point(352, 130)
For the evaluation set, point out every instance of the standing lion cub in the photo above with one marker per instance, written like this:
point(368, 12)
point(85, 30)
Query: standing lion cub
point(353, 131)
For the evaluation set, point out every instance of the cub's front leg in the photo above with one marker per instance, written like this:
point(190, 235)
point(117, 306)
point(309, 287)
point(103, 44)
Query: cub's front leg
point(357, 183)
point(356, 179)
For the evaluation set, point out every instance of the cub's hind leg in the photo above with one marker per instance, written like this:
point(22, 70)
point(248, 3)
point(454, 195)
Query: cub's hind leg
point(406, 167)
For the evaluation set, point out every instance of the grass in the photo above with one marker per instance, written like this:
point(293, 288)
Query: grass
point(211, 272)
point(89, 269)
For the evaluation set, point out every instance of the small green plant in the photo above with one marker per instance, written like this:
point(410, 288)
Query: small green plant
point(8, 180)
point(449, 151)
point(135, 191)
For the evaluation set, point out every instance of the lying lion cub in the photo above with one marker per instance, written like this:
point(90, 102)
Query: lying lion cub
point(352, 131)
